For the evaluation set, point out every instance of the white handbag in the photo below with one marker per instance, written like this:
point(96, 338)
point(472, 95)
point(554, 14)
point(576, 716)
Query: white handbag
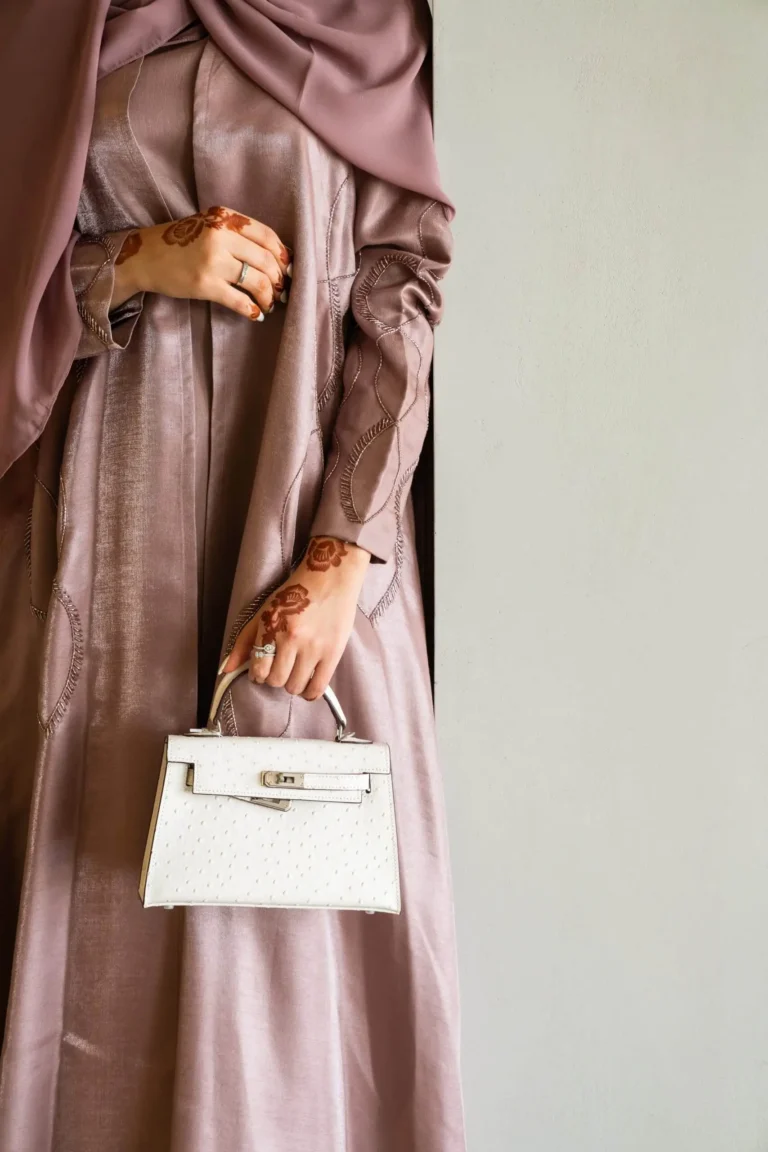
point(275, 822)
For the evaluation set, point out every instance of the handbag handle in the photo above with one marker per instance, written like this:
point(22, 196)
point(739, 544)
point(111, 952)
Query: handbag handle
point(213, 724)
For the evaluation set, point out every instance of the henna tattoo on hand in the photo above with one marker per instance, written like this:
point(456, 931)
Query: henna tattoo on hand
point(130, 247)
point(184, 231)
point(325, 551)
point(289, 601)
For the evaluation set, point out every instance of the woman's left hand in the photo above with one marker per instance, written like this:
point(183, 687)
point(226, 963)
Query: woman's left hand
point(309, 619)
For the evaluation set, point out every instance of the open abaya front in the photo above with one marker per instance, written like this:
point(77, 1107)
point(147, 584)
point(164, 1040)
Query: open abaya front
point(187, 462)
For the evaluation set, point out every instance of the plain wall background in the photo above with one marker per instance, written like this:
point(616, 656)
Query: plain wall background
point(601, 391)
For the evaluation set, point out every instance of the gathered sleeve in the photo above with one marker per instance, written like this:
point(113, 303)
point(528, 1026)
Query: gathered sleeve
point(403, 245)
point(92, 268)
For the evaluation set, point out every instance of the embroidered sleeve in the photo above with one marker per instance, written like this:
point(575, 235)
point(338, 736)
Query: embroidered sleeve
point(404, 245)
point(93, 277)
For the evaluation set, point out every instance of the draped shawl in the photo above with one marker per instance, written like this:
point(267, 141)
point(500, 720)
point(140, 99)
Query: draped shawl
point(355, 71)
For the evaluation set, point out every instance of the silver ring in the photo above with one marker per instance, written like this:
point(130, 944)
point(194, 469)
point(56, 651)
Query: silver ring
point(260, 650)
point(244, 272)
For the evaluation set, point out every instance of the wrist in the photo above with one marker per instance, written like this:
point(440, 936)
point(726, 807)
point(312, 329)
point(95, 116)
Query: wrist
point(331, 554)
point(128, 268)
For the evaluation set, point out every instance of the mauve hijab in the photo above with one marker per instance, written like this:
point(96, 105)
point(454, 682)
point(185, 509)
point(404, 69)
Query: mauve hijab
point(352, 70)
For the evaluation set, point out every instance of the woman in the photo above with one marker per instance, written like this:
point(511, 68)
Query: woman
point(214, 396)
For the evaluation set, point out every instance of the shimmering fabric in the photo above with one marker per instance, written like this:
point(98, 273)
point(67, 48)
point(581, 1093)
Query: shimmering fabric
point(187, 460)
point(354, 71)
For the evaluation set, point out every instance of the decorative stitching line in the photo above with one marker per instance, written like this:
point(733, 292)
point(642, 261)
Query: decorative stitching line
point(79, 367)
point(337, 343)
point(62, 511)
point(367, 285)
point(75, 663)
point(428, 208)
point(93, 324)
point(314, 432)
point(362, 295)
point(345, 397)
point(39, 613)
point(47, 491)
point(410, 339)
point(376, 375)
point(358, 450)
point(108, 247)
point(28, 546)
point(346, 498)
point(397, 419)
point(105, 242)
point(341, 276)
point(337, 347)
point(392, 589)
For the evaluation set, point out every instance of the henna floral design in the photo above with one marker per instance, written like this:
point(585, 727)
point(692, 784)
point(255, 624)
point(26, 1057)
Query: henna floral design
point(184, 231)
point(225, 218)
point(324, 552)
point(130, 247)
point(289, 601)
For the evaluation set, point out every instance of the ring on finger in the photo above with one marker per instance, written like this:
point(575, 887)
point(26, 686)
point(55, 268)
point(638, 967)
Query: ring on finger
point(243, 273)
point(259, 651)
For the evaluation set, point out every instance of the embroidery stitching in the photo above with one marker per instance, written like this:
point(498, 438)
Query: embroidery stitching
point(428, 208)
point(75, 662)
point(314, 432)
point(345, 397)
point(337, 343)
point(28, 547)
point(389, 595)
point(345, 483)
point(108, 248)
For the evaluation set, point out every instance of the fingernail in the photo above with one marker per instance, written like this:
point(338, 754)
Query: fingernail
point(223, 665)
point(257, 314)
point(283, 297)
point(289, 269)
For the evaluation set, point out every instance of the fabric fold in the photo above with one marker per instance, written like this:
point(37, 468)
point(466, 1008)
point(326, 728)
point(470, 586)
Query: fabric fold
point(93, 279)
point(356, 74)
point(403, 247)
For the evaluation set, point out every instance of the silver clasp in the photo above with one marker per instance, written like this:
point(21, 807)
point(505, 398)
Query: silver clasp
point(283, 779)
point(264, 801)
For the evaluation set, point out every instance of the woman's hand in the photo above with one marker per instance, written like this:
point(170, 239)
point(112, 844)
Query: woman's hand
point(309, 619)
point(201, 258)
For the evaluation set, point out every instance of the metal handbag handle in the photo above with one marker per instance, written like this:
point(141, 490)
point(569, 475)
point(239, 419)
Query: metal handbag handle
point(213, 724)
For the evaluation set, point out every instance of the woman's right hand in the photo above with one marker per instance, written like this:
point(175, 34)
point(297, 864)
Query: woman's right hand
point(201, 258)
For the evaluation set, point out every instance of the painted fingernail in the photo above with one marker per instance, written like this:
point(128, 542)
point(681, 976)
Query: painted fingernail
point(223, 665)
point(289, 269)
point(256, 314)
point(283, 297)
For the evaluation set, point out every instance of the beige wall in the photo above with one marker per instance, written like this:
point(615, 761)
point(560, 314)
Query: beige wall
point(602, 568)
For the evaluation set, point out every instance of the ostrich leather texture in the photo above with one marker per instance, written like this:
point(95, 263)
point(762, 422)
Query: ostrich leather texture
point(334, 847)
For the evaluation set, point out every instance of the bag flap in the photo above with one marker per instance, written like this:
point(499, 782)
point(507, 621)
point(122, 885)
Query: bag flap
point(233, 765)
